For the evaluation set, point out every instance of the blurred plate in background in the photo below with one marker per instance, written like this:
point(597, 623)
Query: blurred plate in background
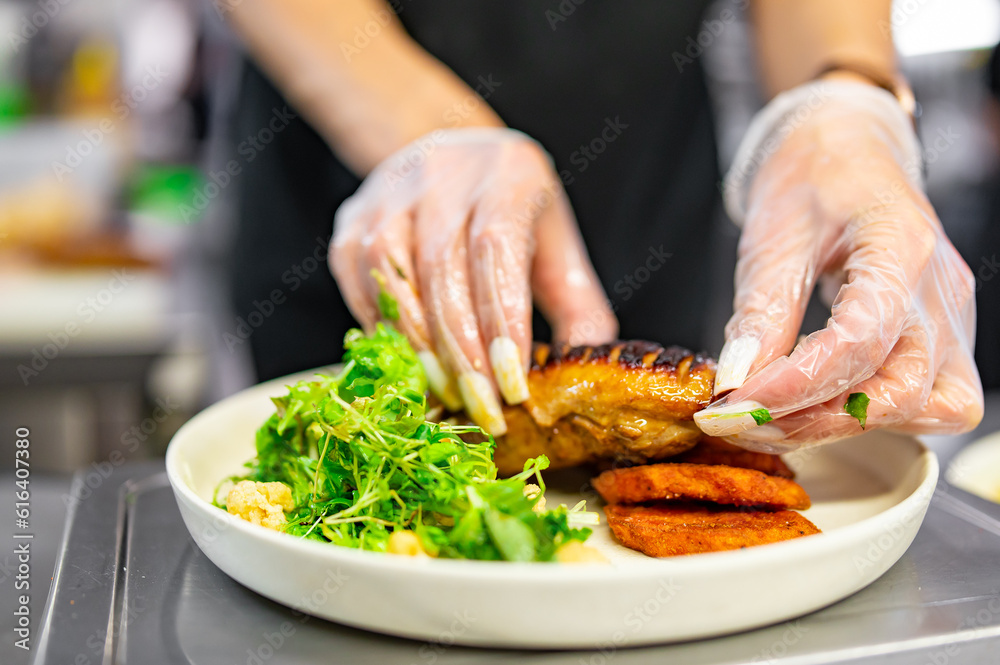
point(976, 468)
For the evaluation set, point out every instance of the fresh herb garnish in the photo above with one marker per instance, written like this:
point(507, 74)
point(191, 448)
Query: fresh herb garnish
point(388, 307)
point(760, 416)
point(362, 461)
point(857, 406)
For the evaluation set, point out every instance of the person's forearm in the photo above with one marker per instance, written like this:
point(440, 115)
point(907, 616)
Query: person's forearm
point(369, 97)
point(797, 38)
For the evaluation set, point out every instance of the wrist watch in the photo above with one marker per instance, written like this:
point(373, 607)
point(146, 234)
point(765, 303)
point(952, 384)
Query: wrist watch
point(896, 85)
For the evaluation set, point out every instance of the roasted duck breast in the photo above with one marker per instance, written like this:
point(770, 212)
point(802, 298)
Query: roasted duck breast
point(630, 401)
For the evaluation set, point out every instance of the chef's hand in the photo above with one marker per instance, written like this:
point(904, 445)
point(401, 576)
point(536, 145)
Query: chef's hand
point(460, 227)
point(838, 199)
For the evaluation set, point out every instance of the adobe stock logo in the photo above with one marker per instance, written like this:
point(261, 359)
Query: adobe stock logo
point(629, 284)
point(91, 138)
point(294, 277)
point(86, 313)
point(562, 12)
point(711, 30)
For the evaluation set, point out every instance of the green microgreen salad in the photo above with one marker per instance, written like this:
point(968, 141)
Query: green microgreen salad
point(362, 462)
point(388, 306)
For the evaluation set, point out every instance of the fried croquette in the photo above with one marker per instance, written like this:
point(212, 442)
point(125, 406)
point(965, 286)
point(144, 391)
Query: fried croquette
point(664, 530)
point(700, 482)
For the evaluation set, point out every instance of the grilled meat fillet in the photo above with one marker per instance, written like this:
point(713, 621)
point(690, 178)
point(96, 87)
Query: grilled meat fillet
point(628, 401)
point(674, 529)
point(700, 482)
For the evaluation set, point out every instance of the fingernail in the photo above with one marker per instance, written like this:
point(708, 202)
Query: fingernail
point(734, 362)
point(763, 434)
point(727, 420)
point(440, 381)
point(508, 370)
point(480, 403)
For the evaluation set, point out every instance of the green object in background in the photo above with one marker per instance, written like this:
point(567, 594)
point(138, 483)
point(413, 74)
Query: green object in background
point(13, 103)
point(172, 193)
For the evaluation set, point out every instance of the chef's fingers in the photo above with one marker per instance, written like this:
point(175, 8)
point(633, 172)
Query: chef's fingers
point(956, 401)
point(501, 247)
point(386, 268)
point(566, 288)
point(897, 392)
point(444, 283)
point(350, 224)
point(775, 275)
point(885, 263)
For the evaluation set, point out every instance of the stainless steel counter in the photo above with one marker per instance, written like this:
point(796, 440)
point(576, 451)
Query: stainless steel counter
point(131, 587)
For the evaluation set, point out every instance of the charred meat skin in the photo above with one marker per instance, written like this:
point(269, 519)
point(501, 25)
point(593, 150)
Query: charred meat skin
point(630, 401)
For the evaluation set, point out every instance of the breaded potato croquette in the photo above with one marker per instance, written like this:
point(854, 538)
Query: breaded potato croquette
point(711, 450)
point(674, 529)
point(700, 482)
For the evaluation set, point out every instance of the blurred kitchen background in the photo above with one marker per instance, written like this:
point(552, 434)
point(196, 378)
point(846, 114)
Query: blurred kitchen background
point(116, 216)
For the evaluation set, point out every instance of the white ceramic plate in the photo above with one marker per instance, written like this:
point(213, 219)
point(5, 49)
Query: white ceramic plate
point(869, 497)
point(976, 468)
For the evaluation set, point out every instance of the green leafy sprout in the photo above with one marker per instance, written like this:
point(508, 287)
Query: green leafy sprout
point(857, 406)
point(388, 307)
point(760, 416)
point(362, 460)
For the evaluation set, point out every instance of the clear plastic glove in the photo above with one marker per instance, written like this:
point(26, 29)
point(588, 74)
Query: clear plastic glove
point(460, 227)
point(837, 198)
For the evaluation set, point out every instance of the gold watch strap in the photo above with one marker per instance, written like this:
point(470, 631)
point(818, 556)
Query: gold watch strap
point(897, 86)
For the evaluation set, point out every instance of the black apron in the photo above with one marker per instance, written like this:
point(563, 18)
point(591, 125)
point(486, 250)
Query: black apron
point(609, 87)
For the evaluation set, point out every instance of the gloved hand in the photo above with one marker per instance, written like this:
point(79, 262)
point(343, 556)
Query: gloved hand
point(460, 227)
point(837, 198)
